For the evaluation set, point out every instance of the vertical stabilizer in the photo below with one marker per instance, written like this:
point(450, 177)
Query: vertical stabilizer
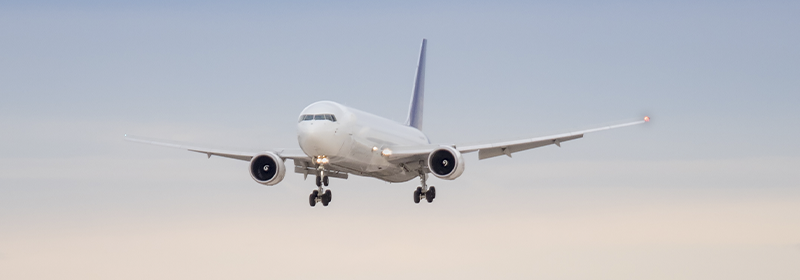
point(418, 95)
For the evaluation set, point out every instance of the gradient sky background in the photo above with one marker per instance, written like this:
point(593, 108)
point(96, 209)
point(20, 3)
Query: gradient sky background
point(710, 189)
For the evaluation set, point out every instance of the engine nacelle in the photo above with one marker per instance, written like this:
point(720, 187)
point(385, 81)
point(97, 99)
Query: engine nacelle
point(267, 168)
point(446, 163)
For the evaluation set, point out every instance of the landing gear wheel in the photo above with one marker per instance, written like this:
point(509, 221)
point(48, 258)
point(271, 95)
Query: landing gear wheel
point(326, 198)
point(417, 192)
point(430, 194)
point(319, 181)
point(312, 199)
point(325, 181)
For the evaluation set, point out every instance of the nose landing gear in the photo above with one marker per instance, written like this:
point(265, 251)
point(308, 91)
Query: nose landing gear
point(320, 194)
point(423, 191)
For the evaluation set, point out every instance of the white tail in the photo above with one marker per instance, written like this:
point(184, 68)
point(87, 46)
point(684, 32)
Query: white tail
point(418, 95)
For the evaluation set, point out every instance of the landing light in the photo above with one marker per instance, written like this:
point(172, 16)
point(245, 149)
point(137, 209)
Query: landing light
point(386, 152)
point(646, 118)
point(322, 160)
point(374, 149)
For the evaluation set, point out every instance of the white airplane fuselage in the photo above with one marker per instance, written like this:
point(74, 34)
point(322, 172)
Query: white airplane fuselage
point(356, 140)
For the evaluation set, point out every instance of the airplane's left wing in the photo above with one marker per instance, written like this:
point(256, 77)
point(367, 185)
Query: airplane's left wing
point(295, 154)
point(506, 148)
point(489, 150)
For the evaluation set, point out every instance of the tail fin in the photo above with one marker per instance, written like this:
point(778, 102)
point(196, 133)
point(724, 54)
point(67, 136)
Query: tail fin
point(417, 97)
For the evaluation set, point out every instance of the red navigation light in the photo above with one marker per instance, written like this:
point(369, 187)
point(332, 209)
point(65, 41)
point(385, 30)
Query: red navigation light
point(646, 119)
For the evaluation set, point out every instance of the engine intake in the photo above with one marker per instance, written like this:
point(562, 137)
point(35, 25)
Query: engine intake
point(446, 163)
point(267, 168)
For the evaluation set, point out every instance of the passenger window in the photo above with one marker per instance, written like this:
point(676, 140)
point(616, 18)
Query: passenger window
point(319, 117)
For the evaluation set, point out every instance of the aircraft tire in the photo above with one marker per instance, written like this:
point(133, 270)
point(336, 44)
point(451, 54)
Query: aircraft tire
point(319, 181)
point(417, 192)
point(431, 194)
point(325, 181)
point(312, 199)
point(326, 198)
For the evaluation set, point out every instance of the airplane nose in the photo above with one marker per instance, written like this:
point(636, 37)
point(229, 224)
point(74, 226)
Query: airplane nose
point(318, 139)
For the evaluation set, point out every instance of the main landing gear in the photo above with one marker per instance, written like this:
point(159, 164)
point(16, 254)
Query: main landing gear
point(320, 194)
point(423, 191)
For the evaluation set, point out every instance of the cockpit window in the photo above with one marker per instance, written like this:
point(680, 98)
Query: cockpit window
point(306, 118)
point(320, 117)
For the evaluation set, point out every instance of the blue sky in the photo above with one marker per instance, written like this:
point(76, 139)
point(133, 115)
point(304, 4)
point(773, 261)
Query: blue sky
point(708, 185)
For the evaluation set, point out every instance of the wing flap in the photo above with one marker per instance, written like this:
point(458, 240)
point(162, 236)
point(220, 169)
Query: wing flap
point(224, 154)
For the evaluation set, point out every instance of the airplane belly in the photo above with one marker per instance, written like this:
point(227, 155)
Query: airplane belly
point(362, 157)
point(390, 174)
point(397, 177)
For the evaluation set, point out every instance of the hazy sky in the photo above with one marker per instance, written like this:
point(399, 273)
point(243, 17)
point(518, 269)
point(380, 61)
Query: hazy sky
point(710, 189)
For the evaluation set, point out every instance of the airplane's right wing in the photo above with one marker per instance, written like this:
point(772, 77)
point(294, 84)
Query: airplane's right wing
point(295, 154)
point(302, 162)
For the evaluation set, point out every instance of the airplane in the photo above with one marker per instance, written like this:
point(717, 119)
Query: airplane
point(336, 141)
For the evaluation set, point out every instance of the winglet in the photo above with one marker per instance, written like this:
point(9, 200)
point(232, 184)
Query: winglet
point(418, 95)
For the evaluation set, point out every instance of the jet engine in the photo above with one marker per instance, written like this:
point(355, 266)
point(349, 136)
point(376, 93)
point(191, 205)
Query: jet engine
point(267, 168)
point(446, 163)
